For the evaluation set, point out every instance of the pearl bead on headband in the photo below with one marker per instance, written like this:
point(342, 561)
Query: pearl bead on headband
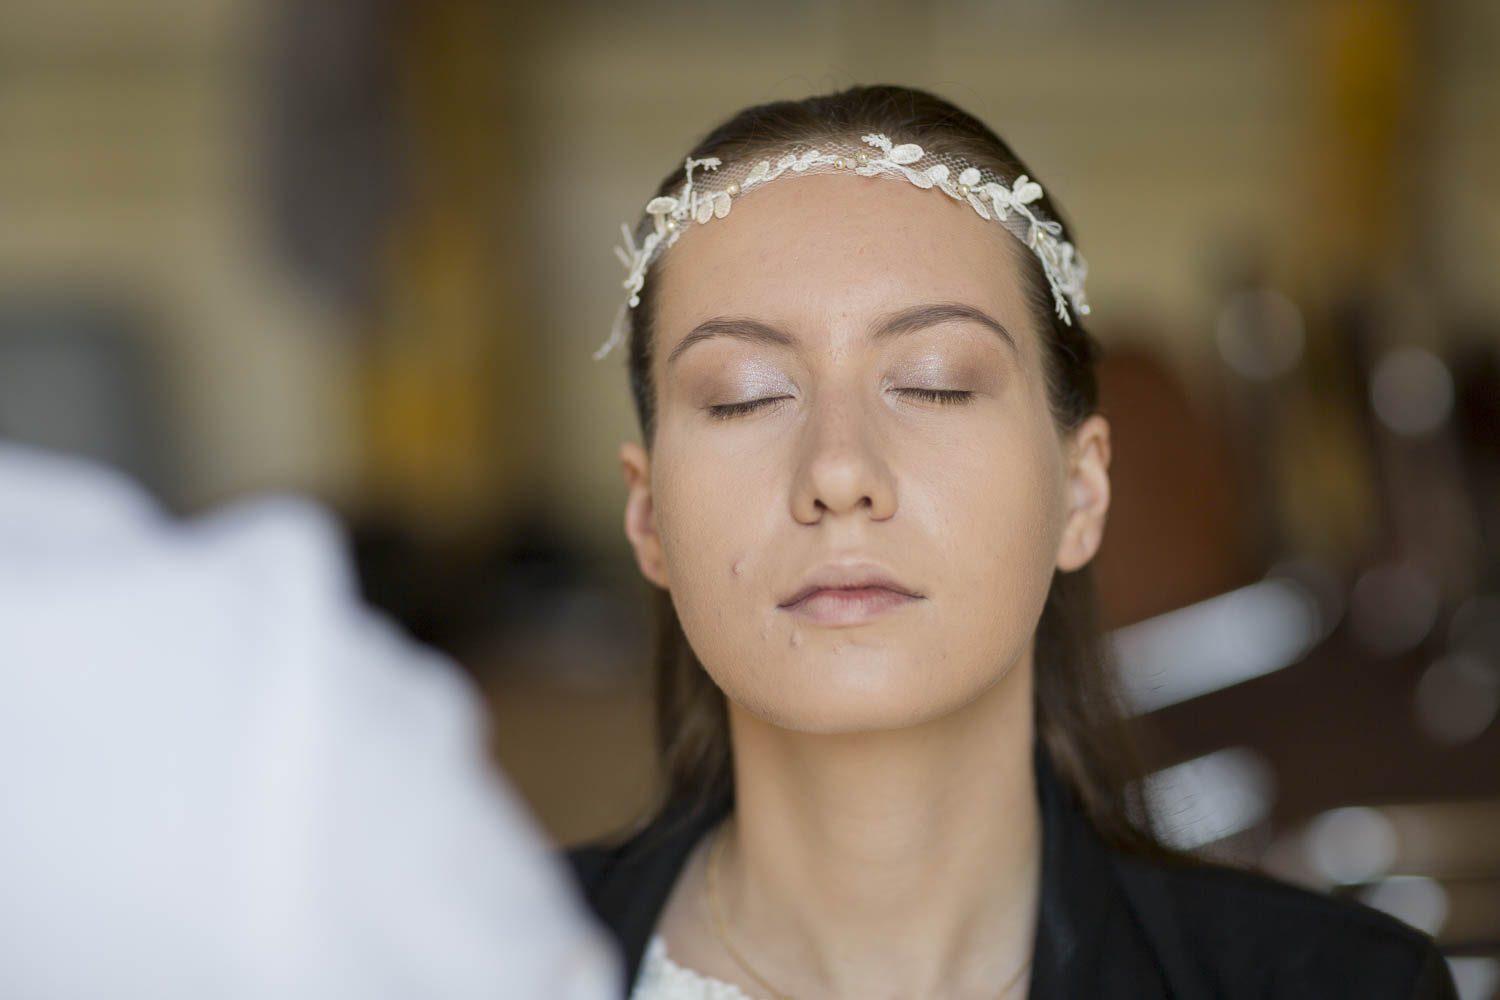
point(985, 191)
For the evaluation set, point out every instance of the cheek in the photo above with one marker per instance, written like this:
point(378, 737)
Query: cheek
point(995, 507)
point(714, 514)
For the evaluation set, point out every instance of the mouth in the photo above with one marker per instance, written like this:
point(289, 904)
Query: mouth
point(848, 595)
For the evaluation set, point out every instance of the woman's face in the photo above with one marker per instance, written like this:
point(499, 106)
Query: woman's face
point(850, 391)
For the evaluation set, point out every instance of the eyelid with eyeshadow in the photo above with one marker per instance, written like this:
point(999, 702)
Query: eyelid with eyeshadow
point(728, 411)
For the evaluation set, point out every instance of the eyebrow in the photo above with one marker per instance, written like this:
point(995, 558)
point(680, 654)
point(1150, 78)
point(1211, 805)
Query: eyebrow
point(895, 324)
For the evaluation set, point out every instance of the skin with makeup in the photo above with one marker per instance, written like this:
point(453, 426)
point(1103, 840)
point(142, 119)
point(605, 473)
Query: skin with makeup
point(857, 497)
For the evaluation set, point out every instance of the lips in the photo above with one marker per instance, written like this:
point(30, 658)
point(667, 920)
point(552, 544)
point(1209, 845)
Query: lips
point(849, 594)
point(848, 577)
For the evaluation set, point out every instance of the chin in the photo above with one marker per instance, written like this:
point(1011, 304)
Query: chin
point(854, 690)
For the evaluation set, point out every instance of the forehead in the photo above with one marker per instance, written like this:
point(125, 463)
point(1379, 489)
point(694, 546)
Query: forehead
point(829, 251)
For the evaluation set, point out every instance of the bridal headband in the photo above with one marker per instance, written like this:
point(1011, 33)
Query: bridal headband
point(668, 216)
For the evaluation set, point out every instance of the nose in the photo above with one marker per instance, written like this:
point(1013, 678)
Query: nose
point(841, 465)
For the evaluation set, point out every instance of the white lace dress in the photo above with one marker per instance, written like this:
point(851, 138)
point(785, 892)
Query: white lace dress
point(661, 978)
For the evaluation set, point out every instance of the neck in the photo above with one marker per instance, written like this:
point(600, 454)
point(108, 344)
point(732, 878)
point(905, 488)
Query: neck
point(891, 864)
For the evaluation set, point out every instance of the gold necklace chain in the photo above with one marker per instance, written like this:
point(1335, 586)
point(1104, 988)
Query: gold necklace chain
point(716, 851)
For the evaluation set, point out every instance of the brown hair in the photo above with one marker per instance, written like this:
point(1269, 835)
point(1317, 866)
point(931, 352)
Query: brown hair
point(1077, 713)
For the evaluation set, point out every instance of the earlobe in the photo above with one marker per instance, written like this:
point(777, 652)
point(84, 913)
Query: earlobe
point(640, 514)
point(1089, 488)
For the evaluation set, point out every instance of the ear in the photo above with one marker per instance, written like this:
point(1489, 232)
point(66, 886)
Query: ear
point(1088, 491)
point(640, 514)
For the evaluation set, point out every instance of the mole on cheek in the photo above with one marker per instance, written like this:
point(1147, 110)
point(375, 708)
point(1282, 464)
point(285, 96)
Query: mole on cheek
point(738, 566)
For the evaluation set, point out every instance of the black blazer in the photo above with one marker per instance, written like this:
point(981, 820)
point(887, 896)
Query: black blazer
point(1111, 925)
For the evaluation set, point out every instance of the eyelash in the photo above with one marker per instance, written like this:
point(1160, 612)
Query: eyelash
point(728, 411)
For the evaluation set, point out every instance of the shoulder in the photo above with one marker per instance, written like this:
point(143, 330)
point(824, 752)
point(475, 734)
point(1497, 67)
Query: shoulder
point(646, 858)
point(624, 878)
point(635, 862)
point(590, 863)
point(1246, 934)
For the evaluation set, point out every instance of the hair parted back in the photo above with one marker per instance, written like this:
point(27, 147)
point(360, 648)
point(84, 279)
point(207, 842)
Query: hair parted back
point(1076, 708)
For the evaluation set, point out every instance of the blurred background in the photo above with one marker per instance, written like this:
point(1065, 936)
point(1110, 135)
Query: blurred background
point(360, 249)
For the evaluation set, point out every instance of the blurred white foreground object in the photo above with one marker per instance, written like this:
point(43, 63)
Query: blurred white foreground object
point(221, 776)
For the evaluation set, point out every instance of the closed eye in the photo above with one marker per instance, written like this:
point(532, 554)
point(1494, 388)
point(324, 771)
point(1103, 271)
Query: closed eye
point(729, 410)
point(940, 395)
